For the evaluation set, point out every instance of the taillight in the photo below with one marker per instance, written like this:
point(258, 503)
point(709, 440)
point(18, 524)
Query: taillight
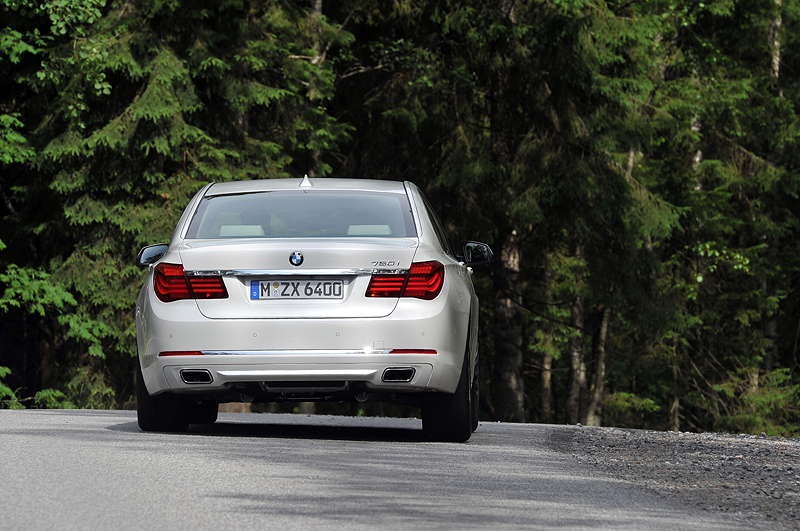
point(210, 287)
point(386, 286)
point(423, 281)
point(171, 284)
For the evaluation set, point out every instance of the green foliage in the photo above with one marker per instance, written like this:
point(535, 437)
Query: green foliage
point(14, 147)
point(14, 46)
point(88, 389)
point(32, 290)
point(771, 405)
point(52, 399)
point(8, 398)
point(71, 15)
point(628, 410)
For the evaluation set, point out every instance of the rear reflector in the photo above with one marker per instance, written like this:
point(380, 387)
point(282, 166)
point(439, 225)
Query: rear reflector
point(423, 281)
point(171, 284)
point(181, 353)
point(413, 351)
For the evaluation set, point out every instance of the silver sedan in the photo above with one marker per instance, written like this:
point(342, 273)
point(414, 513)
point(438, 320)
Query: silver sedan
point(309, 290)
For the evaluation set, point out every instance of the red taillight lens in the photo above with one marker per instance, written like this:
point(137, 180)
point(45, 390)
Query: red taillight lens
point(171, 284)
point(424, 281)
point(181, 353)
point(413, 351)
point(386, 286)
point(208, 287)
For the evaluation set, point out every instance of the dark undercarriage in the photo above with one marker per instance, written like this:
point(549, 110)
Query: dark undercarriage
point(300, 391)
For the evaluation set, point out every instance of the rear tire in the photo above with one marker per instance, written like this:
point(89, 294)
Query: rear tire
point(160, 412)
point(448, 417)
point(475, 397)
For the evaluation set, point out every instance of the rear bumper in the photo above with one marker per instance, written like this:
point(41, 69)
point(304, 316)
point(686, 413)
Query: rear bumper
point(284, 350)
point(287, 366)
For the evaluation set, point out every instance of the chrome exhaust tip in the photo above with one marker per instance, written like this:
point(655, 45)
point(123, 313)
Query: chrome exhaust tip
point(196, 376)
point(399, 374)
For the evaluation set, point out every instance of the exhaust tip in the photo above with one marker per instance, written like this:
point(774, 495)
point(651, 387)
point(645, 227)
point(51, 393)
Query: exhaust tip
point(399, 374)
point(196, 376)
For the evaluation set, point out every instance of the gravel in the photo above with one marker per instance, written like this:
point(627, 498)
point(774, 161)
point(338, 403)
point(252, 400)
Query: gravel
point(755, 479)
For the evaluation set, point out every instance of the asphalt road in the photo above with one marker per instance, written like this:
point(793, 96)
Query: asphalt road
point(96, 470)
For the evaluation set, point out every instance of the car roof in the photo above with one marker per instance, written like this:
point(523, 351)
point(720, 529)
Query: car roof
point(314, 183)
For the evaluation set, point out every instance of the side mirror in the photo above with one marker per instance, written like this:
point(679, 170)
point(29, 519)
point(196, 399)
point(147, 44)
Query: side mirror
point(151, 254)
point(477, 254)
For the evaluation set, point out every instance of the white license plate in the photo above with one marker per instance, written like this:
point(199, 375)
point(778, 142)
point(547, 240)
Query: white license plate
point(296, 289)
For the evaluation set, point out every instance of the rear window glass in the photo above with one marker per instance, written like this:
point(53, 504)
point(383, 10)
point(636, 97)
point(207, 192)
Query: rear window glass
point(303, 214)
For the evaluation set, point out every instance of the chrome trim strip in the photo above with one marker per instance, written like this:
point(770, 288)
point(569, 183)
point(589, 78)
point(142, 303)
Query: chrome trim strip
point(290, 352)
point(190, 215)
point(293, 272)
point(407, 185)
point(352, 373)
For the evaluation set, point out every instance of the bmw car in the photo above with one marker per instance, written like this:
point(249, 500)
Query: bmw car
point(309, 290)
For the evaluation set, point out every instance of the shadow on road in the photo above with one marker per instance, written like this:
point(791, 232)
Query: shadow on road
point(292, 431)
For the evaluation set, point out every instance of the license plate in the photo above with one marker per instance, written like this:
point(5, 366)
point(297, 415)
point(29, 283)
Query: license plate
point(296, 289)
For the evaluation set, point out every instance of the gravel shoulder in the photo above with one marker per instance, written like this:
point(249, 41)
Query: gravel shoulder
point(756, 480)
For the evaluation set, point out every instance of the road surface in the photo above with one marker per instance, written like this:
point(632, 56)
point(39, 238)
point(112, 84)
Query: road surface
point(96, 470)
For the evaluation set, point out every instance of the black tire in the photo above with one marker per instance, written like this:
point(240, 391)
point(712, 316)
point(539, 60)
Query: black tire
point(475, 397)
point(447, 417)
point(201, 412)
point(158, 413)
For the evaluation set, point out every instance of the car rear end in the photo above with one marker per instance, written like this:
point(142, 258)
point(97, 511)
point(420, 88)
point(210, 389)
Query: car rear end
point(271, 291)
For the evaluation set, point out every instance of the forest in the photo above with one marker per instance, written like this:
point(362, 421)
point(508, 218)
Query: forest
point(633, 163)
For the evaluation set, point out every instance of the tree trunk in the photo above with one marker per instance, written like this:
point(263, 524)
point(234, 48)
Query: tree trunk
point(775, 41)
point(547, 412)
point(770, 321)
point(597, 392)
point(547, 388)
point(752, 380)
point(769, 328)
point(509, 393)
point(577, 386)
point(675, 403)
point(45, 364)
point(697, 158)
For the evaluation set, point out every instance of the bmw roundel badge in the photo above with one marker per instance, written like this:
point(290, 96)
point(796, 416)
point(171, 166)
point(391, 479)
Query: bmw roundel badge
point(296, 258)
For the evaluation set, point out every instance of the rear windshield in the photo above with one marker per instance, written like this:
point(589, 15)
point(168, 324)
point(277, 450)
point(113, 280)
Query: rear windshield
point(303, 214)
